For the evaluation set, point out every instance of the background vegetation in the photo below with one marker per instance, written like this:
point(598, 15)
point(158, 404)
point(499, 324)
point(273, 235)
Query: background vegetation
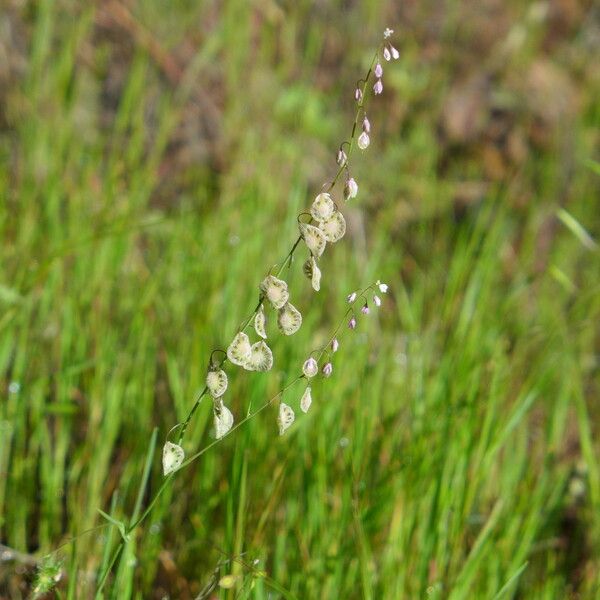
point(153, 158)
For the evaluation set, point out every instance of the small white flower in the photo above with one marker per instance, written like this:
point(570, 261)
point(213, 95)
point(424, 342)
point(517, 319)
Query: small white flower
point(289, 319)
point(351, 189)
point(260, 359)
point(363, 140)
point(310, 367)
point(276, 291)
point(260, 322)
point(378, 87)
point(313, 238)
point(334, 228)
point(387, 33)
point(351, 298)
point(216, 382)
point(334, 345)
point(285, 418)
point(315, 278)
point(172, 457)
point(322, 208)
point(239, 350)
point(376, 300)
point(223, 420)
point(386, 54)
point(306, 400)
point(383, 287)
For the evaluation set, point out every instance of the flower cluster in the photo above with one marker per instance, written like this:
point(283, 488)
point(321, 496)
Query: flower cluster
point(323, 223)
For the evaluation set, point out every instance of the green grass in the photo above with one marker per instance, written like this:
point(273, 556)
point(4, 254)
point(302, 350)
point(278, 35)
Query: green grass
point(453, 453)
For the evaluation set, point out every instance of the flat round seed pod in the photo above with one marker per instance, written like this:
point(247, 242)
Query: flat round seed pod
point(322, 208)
point(314, 238)
point(223, 420)
point(289, 319)
point(260, 322)
point(261, 358)
point(334, 228)
point(276, 291)
point(216, 382)
point(306, 400)
point(285, 418)
point(239, 349)
point(172, 457)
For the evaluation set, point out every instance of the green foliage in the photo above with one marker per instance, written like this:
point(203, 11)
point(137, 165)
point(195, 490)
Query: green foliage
point(453, 453)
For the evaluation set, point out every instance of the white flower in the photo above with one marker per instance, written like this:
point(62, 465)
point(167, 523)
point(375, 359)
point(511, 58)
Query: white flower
point(376, 300)
point(351, 298)
point(276, 291)
point(322, 208)
point(313, 238)
point(386, 54)
point(363, 140)
point(387, 33)
point(334, 345)
point(395, 53)
point(260, 359)
point(216, 382)
point(310, 367)
point(289, 319)
point(172, 457)
point(383, 287)
point(285, 418)
point(260, 322)
point(223, 420)
point(334, 228)
point(306, 400)
point(239, 350)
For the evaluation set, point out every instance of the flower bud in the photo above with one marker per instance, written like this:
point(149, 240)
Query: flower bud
point(341, 158)
point(310, 367)
point(334, 345)
point(350, 189)
point(366, 125)
point(363, 141)
point(386, 54)
point(365, 309)
point(351, 298)
point(376, 300)
point(378, 70)
point(378, 87)
point(352, 323)
point(358, 95)
point(327, 369)
point(395, 53)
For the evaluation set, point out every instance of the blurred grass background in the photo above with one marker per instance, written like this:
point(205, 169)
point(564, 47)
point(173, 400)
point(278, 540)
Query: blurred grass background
point(153, 158)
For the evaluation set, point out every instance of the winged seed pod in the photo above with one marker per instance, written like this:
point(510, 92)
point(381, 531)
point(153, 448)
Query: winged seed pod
point(334, 228)
point(239, 350)
point(313, 238)
point(216, 382)
point(322, 208)
point(275, 290)
point(261, 358)
point(260, 322)
point(285, 418)
point(223, 420)
point(172, 458)
point(289, 319)
point(306, 400)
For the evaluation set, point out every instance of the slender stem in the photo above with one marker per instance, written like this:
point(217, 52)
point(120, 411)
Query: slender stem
point(108, 569)
point(191, 414)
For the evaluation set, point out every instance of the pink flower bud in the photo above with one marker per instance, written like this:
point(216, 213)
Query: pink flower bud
point(327, 369)
point(334, 345)
point(377, 300)
point(352, 323)
point(351, 298)
point(350, 189)
point(366, 126)
point(378, 87)
point(386, 54)
point(358, 95)
point(365, 309)
point(378, 70)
